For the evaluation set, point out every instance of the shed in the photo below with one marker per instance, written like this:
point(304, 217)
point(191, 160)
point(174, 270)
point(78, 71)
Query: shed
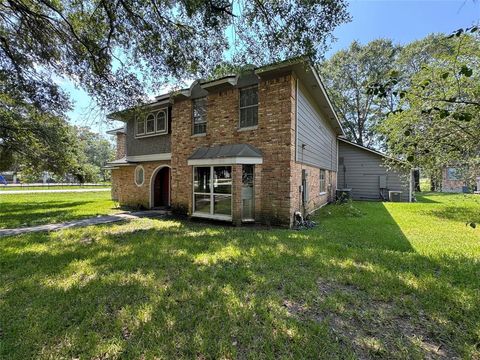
point(362, 170)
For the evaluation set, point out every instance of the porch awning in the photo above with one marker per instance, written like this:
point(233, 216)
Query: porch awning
point(226, 154)
point(117, 163)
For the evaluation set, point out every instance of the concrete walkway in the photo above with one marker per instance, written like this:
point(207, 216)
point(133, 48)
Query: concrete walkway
point(6, 192)
point(105, 219)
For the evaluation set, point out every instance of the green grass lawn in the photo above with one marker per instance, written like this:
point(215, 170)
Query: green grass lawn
point(389, 280)
point(52, 187)
point(42, 208)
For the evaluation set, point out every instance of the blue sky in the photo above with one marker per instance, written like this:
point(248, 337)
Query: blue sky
point(402, 21)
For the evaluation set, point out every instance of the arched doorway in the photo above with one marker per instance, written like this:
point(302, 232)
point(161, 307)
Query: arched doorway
point(161, 188)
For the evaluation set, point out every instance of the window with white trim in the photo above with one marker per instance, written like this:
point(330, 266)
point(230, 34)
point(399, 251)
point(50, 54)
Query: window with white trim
point(212, 190)
point(162, 124)
point(248, 107)
point(155, 123)
point(140, 128)
point(150, 124)
point(323, 187)
point(199, 116)
point(139, 175)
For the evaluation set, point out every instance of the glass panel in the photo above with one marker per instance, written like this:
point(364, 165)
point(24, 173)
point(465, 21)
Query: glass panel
point(222, 180)
point(247, 175)
point(249, 96)
point(202, 203)
point(150, 123)
point(248, 202)
point(161, 121)
point(139, 176)
point(200, 128)
point(202, 180)
point(140, 127)
point(222, 204)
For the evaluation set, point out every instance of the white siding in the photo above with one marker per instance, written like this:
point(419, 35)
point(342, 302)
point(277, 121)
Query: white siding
point(314, 130)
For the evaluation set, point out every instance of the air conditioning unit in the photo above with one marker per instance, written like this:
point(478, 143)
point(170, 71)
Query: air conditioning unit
point(395, 196)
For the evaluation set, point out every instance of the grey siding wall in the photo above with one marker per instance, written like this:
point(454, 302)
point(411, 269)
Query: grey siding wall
point(314, 130)
point(158, 144)
point(361, 172)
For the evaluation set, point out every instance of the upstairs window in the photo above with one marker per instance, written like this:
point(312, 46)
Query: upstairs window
point(155, 123)
point(140, 127)
point(249, 107)
point(162, 122)
point(323, 187)
point(150, 122)
point(199, 115)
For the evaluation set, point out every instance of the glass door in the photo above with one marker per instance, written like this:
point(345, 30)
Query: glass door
point(248, 198)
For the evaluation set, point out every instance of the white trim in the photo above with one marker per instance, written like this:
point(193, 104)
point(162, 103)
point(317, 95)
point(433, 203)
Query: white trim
point(232, 80)
point(211, 194)
point(155, 131)
point(336, 163)
point(240, 108)
point(227, 161)
point(198, 135)
point(296, 118)
point(150, 157)
point(248, 128)
point(212, 216)
point(152, 180)
point(138, 167)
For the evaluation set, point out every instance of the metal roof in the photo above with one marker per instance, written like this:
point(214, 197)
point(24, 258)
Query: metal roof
point(226, 151)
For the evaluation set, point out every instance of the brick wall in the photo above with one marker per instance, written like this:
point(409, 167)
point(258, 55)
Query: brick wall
point(121, 146)
point(274, 136)
point(315, 198)
point(124, 187)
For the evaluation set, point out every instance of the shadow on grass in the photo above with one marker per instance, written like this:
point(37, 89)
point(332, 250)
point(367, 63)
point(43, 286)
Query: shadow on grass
point(178, 289)
point(37, 213)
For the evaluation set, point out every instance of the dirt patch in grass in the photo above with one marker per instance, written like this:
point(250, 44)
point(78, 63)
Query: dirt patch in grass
point(371, 328)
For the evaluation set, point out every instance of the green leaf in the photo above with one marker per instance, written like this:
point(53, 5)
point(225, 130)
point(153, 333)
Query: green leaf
point(445, 75)
point(407, 133)
point(466, 71)
point(410, 158)
point(462, 116)
point(444, 113)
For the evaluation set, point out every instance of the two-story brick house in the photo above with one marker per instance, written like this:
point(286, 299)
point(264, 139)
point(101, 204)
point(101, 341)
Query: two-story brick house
point(257, 146)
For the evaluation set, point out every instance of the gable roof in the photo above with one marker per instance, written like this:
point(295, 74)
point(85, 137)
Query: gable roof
point(301, 67)
point(367, 149)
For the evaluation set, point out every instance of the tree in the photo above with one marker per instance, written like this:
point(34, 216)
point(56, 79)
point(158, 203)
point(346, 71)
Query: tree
point(348, 75)
point(31, 137)
point(96, 151)
point(437, 122)
point(118, 51)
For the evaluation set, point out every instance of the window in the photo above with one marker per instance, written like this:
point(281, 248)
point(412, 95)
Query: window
point(139, 175)
point(249, 107)
point(150, 122)
point(212, 190)
point(199, 115)
point(155, 123)
point(322, 181)
point(453, 174)
point(140, 127)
